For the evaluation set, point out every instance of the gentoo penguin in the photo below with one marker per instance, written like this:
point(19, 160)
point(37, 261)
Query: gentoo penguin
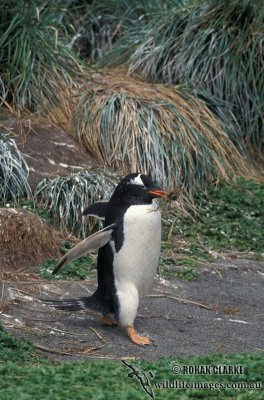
point(129, 249)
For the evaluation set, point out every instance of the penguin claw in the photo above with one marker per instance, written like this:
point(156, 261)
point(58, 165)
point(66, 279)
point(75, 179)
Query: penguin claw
point(136, 338)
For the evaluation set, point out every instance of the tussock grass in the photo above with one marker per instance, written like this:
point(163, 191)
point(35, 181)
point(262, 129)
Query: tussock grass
point(59, 108)
point(13, 171)
point(166, 132)
point(33, 53)
point(67, 196)
point(98, 25)
point(217, 46)
point(27, 238)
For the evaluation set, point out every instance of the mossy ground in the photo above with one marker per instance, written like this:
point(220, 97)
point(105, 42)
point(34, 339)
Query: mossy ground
point(228, 218)
point(25, 375)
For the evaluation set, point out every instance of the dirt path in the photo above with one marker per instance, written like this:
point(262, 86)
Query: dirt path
point(220, 311)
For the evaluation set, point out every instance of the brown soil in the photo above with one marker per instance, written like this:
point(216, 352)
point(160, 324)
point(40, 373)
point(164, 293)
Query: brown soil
point(49, 150)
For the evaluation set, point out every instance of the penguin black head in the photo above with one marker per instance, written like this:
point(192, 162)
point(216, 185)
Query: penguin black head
point(137, 188)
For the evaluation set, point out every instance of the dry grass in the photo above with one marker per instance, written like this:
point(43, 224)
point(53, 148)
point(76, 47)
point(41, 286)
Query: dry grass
point(26, 239)
point(60, 107)
point(166, 131)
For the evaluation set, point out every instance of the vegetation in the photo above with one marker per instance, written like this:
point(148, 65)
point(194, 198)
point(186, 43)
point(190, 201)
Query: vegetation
point(188, 113)
point(26, 239)
point(25, 375)
point(35, 60)
point(201, 133)
point(66, 197)
point(35, 208)
point(99, 25)
point(15, 350)
point(164, 131)
point(13, 171)
point(78, 269)
point(209, 45)
point(182, 268)
point(228, 217)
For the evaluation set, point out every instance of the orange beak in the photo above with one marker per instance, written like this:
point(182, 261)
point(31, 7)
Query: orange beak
point(157, 192)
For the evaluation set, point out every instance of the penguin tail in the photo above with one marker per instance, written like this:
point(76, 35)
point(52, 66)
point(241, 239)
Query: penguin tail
point(83, 303)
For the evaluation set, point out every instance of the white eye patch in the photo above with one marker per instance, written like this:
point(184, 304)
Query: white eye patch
point(137, 181)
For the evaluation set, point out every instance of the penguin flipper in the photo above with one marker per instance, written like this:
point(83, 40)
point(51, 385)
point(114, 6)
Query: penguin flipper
point(92, 243)
point(97, 209)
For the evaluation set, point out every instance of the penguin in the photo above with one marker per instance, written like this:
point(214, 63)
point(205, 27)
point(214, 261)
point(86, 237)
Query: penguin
point(128, 253)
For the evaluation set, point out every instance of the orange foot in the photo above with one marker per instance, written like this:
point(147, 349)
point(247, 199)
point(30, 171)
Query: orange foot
point(135, 337)
point(107, 320)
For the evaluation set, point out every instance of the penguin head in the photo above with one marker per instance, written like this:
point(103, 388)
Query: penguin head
point(137, 188)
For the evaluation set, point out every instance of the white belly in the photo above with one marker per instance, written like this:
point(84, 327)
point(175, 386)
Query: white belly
point(136, 262)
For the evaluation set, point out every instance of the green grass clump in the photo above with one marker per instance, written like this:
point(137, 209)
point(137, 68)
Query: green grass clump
point(185, 275)
point(13, 171)
point(210, 45)
point(98, 25)
point(66, 197)
point(34, 55)
point(229, 217)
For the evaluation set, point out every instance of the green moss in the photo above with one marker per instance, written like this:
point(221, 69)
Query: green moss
point(78, 269)
point(15, 350)
point(24, 375)
point(229, 217)
point(37, 209)
point(183, 268)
